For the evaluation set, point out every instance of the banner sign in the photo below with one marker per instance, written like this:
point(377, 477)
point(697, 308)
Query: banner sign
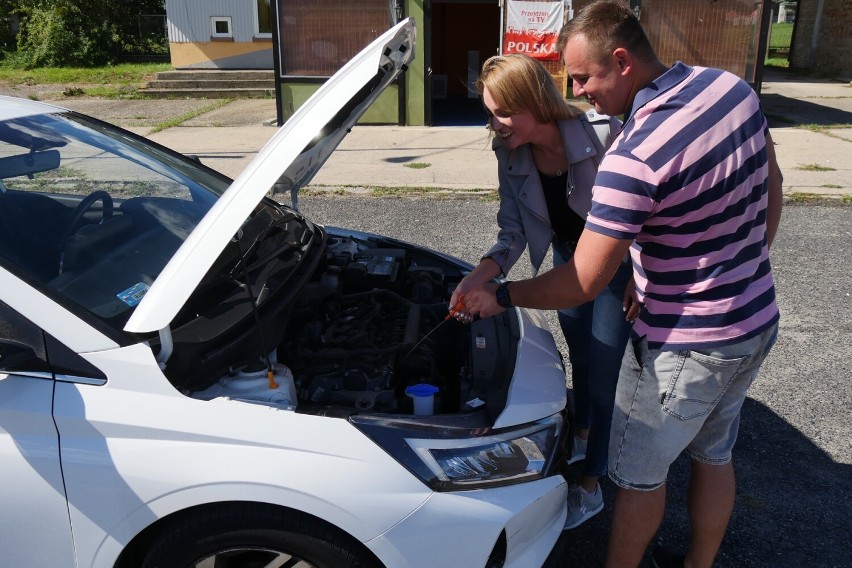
point(533, 28)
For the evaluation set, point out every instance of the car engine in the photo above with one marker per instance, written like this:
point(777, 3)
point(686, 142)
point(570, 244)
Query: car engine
point(371, 323)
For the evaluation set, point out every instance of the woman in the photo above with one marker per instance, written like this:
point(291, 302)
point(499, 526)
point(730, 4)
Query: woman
point(548, 152)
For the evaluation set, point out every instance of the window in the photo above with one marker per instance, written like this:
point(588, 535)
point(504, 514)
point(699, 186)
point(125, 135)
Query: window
point(263, 19)
point(221, 26)
point(319, 36)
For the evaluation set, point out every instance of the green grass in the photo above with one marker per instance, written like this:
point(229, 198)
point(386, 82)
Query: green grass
point(417, 165)
point(120, 74)
point(121, 81)
point(178, 120)
point(781, 35)
point(400, 191)
point(831, 186)
point(809, 198)
point(824, 128)
point(804, 197)
point(814, 168)
point(781, 62)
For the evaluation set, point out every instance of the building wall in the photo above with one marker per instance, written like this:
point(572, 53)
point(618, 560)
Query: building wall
point(834, 50)
point(801, 54)
point(722, 33)
point(222, 55)
point(191, 44)
point(827, 26)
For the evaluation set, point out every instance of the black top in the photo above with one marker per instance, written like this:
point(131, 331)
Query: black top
point(563, 220)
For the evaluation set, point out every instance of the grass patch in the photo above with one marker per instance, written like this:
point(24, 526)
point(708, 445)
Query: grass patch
point(814, 168)
point(805, 197)
point(120, 74)
point(780, 62)
point(400, 191)
point(831, 186)
point(808, 198)
point(417, 165)
point(823, 128)
point(178, 120)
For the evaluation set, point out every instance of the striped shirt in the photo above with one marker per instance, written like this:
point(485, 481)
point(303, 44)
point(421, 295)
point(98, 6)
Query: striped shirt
point(687, 180)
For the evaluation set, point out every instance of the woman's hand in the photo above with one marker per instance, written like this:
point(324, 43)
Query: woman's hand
point(486, 270)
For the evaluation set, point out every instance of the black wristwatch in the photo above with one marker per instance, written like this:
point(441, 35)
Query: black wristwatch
point(502, 295)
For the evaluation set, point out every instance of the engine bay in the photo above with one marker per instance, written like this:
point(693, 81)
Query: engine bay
point(370, 323)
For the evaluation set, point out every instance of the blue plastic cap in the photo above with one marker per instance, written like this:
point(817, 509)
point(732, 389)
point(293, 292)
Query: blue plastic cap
point(422, 389)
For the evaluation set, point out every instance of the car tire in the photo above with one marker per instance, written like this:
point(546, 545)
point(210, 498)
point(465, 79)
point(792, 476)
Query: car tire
point(247, 535)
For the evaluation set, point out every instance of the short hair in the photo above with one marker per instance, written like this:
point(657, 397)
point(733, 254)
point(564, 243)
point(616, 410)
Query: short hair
point(607, 25)
point(519, 83)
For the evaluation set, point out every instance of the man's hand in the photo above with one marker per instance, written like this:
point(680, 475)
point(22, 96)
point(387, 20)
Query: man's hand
point(481, 301)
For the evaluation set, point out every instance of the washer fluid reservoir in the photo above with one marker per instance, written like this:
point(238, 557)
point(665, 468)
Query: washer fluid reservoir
point(253, 386)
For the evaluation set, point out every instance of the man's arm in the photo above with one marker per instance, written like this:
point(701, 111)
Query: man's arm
point(776, 196)
point(576, 282)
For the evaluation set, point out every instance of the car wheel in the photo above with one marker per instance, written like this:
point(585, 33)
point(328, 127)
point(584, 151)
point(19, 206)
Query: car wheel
point(254, 535)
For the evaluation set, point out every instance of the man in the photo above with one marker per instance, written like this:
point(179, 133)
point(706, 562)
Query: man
point(692, 189)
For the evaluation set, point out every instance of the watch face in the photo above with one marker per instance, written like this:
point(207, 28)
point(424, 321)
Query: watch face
point(502, 295)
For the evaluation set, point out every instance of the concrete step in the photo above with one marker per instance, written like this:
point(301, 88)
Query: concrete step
point(209, 93)
point(212, 84)
point(217, 74)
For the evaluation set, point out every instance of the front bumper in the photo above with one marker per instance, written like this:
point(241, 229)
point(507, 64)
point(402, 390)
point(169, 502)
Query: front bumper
point(463, 528)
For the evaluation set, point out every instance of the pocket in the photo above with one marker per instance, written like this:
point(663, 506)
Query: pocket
point(698, 383)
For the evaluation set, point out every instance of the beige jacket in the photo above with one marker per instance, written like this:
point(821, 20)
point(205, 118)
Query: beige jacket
point(523, 217)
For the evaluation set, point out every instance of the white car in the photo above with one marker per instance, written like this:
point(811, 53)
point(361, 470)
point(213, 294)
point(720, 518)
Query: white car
point(192, 374)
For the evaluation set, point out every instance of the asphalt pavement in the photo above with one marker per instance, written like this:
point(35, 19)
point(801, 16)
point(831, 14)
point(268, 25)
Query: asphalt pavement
point(793, 458)
point(794, 455)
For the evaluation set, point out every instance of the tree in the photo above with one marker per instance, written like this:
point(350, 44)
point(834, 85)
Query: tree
point(55, 33)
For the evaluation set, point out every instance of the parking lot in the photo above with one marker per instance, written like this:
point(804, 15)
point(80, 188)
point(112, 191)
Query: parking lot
point(794, 455)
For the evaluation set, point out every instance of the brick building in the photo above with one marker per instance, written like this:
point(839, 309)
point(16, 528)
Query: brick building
point(822, 37)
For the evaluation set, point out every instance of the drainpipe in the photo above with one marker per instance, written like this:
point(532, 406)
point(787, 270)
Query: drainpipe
point(815, 35)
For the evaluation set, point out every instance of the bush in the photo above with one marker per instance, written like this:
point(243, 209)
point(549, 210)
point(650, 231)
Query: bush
point(59, 34)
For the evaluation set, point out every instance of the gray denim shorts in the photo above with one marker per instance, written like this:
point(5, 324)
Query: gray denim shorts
point(670, 401)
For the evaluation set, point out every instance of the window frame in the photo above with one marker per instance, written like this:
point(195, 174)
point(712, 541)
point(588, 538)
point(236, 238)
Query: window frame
point(219, 35)
point(257, 33)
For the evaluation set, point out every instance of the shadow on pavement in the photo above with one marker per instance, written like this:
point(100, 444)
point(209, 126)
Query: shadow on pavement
point(783, 111)
point(792, 506)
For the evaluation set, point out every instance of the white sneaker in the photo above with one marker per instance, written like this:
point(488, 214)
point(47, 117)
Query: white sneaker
point(578, 452)
point(582, 505)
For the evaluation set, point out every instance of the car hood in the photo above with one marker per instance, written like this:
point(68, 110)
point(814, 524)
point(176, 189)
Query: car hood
point(287, 162)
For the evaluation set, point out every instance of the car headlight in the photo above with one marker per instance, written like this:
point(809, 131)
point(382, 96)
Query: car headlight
point(457, 459)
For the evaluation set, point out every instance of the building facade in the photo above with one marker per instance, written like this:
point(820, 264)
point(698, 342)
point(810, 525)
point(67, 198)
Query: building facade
point(220, 34)
point(454, 37)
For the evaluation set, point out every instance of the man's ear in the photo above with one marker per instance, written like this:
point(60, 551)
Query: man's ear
point(623, 59)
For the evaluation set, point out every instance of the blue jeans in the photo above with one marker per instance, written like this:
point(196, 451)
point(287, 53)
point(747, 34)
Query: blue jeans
point(596, 333)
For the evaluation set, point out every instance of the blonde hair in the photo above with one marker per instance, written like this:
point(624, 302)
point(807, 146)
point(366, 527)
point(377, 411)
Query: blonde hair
point(519, 83)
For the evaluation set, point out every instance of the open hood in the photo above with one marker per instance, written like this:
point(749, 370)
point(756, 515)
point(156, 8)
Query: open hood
point(286, 163)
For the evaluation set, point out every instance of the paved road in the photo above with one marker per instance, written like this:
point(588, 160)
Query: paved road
point(794, 455)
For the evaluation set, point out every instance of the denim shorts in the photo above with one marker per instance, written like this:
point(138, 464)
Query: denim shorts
point(670, 401)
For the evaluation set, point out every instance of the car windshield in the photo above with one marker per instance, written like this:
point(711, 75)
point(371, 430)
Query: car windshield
point(91, 214)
